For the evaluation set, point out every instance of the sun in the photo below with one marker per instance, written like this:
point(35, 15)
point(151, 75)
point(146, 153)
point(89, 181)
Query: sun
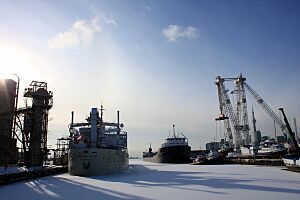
point(15, 61)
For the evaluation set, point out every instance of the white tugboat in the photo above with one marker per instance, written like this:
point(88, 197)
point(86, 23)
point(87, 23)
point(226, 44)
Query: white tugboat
point(97, 147)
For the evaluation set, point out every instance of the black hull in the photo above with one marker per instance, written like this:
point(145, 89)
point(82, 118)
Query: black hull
point(293, 168)
point(215, 161)
point(172, 154)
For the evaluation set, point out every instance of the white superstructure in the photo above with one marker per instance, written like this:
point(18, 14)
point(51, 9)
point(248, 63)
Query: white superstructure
point(175, 140)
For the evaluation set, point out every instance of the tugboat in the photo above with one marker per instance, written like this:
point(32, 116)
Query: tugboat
point(97, 147)
point(270, 147)
point(212, 158)
point(175, 150)
point(149, 153)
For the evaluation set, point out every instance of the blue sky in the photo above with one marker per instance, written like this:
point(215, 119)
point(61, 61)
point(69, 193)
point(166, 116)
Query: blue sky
point(155, 61)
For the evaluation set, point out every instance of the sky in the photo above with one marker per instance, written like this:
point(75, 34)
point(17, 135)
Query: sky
point(155, 61)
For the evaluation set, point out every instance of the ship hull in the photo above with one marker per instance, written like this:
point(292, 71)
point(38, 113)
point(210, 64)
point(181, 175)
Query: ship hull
point(272, 153)
point(171, 154)
point(292, 163)
point(94, 162)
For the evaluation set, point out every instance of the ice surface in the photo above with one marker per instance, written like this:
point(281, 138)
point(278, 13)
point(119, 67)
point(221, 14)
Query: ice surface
point(165, 181)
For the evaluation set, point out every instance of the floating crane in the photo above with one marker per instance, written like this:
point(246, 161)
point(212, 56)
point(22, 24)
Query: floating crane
point(238, 119)
point(227, 113)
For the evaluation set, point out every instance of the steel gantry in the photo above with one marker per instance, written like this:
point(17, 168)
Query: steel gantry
point(237, 119)
point(227, 112)
point(241, 108)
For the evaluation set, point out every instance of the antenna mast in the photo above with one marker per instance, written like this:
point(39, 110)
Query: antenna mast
point(174, 131)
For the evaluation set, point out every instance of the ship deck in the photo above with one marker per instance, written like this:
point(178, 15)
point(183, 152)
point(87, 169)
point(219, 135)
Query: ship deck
point(145, 180)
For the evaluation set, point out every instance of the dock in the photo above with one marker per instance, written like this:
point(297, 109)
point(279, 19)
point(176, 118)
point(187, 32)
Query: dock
point(29, 174)
point(256, 161)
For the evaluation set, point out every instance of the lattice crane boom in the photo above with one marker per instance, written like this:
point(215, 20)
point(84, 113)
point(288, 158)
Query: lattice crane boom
point(227, 109)
point(224, 114)
point(266, 107)
point(241, 108)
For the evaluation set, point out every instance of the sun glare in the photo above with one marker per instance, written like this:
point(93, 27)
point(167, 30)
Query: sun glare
point(15, 61)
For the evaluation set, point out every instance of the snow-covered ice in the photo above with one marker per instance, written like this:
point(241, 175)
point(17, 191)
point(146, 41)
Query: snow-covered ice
point(165, 181)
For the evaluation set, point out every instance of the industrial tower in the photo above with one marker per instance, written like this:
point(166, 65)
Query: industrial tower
point(36, 122)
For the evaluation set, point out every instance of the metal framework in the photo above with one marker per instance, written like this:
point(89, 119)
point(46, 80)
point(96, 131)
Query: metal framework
point(61, 151)
point(36, 121)
point(227, 111)
point(241, 109)
point(238, 118)
point(31, 124)
point(266, 107)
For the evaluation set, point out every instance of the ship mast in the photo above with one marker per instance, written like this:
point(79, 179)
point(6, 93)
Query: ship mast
point(150, 149)
point(101, 110)
point(174, 135)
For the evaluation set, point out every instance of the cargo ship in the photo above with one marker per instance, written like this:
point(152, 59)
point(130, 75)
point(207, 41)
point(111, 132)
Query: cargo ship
point(175, 149)
point(97, 147)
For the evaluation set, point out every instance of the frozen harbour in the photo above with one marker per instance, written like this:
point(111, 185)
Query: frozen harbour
point(165, 181)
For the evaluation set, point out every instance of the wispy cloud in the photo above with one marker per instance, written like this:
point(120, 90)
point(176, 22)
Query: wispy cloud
point(82, 33)
point(110, 21)
point(148, 8)
point(174, 32)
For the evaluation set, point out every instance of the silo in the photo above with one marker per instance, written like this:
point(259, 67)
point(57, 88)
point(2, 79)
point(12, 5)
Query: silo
point(7, 106)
